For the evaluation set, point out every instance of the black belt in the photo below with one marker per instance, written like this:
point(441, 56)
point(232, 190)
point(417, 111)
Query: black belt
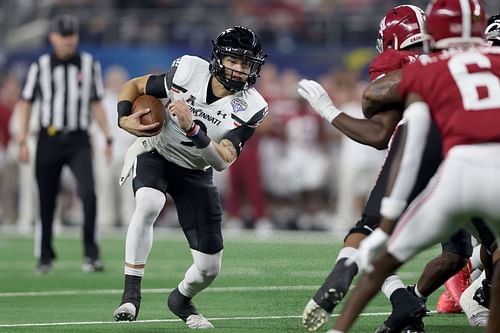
point(52, 131)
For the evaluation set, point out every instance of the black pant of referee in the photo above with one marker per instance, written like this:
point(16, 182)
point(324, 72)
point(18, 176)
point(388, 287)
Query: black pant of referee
point(54, 150)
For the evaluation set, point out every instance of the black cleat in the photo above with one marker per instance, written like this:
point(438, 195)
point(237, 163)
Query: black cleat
point(181, 305)
point(131, 300)
point(416, 327)
point(184, 308)
point(406, 316)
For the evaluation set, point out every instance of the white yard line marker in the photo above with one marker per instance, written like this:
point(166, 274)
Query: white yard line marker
point(368, 314)
point(147, 291)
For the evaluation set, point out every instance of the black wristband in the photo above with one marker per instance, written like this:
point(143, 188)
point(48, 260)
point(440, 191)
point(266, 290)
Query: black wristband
point(124, 109)
point(200, 138)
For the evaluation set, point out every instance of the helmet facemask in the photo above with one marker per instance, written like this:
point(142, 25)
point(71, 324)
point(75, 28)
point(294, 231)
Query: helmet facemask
point(242, 45)
point(492, 31)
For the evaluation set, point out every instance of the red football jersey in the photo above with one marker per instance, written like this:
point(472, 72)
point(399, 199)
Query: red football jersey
point(462, 89)
point(389, 61)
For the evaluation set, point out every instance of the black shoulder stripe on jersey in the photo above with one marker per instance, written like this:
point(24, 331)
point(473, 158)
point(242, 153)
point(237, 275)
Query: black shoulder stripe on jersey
point(155, 86)
point(169, 76)
point(254, 121)
point(181, 89)
point(239, 136)
point(238, 119)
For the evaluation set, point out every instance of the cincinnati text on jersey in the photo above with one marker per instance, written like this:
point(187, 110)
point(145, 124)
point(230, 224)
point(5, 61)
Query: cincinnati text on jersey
point(200, 114)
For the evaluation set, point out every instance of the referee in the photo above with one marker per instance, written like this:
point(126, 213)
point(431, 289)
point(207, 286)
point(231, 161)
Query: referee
point(68, 86)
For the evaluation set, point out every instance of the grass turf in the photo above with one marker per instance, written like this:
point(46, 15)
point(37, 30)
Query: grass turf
point(263, 286)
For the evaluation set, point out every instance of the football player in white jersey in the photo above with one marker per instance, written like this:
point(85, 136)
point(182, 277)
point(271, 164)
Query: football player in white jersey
point(212, 110)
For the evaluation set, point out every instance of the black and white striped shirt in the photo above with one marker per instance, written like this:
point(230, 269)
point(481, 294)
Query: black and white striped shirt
point(64, 89)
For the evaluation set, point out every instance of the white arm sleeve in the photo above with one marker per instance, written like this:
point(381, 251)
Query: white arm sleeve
point(212, 157)
point(418, 119)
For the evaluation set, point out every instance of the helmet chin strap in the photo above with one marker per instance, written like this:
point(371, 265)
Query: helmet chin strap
point(233, 85)
point(229, 83)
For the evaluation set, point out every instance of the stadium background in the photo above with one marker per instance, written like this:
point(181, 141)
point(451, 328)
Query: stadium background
point(312, 178)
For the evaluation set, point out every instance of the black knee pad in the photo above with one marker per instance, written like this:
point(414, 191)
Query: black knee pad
point(206, 239)
point(210, 244)
point(364, 226)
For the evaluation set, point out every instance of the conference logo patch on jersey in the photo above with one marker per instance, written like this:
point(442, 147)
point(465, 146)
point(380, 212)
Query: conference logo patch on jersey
point(238, 105)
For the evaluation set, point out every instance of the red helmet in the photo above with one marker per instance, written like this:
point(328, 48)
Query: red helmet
point(401, 27)
point(455, 23)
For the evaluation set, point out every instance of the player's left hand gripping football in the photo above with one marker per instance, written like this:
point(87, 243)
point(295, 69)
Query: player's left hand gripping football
point(317, 96)
point(132, 124)
point(368, 248)
point(180, 109)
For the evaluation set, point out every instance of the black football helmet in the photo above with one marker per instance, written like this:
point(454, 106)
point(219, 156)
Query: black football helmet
point(239, 42)
point(492, 31)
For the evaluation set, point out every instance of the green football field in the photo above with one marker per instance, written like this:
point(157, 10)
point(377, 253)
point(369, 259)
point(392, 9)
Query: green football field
point(263, 286)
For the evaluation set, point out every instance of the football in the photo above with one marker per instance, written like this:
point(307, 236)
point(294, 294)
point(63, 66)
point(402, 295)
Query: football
point(157, 113)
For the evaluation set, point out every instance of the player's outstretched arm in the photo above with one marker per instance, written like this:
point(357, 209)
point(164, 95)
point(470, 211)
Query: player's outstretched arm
point(382, 95)
point(374, 132)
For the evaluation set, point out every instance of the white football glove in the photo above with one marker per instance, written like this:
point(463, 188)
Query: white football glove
point(368, 248)
point(316, 95)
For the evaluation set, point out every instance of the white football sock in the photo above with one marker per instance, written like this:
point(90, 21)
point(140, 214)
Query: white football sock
point(418, 293)
point(148, 205)
point(391, 284)
point(348, 253)
point(134, 271)
point(201, 273)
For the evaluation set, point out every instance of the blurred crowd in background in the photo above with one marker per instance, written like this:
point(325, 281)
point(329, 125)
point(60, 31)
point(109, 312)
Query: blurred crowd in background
point(285, 23)
point(296, 173)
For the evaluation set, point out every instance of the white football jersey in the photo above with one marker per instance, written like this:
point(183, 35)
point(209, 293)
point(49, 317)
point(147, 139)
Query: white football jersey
point(190, 80)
